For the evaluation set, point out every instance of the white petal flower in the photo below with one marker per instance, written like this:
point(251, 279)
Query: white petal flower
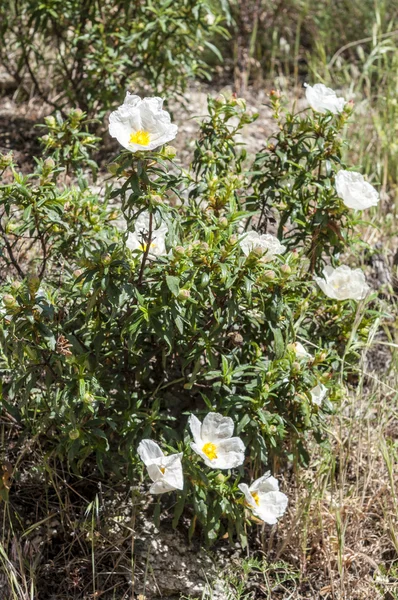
point(264, 498)
point(343, 283)
point(165, 471)
point(141, 124)
point(355, 192)
point(323, 99)
point(213, 441)
point(267, 244)
point(137, 238)
point(300, 351)
point(318, 394)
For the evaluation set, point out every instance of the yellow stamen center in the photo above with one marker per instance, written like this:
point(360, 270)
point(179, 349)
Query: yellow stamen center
point(143, 247)
point(162, 470)
point(140, 137)
point(256, 498)
point(210, 450)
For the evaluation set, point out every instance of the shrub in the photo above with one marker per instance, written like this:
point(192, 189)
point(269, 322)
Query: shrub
point(77, 52)
point(128, 313)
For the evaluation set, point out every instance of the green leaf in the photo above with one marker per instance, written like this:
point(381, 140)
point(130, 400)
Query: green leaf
point(173, 283)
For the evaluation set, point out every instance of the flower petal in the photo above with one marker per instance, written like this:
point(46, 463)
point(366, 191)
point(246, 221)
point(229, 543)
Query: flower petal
point(323, 99)
point(195, 427)
point(173, 474)
point(355, 192)
point(160, 487)
point(318, 393)
point(216, 427)
point(265, 484)
point(248, 497)
point(230, 454)
point(198, 449)
point(271, 506)
point(149, 451)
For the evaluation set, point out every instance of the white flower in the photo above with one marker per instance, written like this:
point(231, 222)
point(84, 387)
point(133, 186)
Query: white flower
point(165, 471)
point(267, 244)
point(343, 283)
point(213, 441)
point(300, 351)
point(264, 498)
point(318, 394)
point(137, 239)
point(323, 99)
point(141, 124)
point(355, 192)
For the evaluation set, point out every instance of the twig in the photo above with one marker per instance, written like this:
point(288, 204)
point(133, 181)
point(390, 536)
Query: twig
point(10, 252)
point(146, 251)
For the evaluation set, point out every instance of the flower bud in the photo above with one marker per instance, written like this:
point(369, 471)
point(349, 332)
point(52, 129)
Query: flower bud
point(184, 295)
point(16, 285)
point(9, 301)
point(235, 338)
point(106, 258)
point(209, 154)
point(241, 102)
point(286, 270)
point(74, 434)
point(269, 274)
point(88, 398)
point(275, 94)
point(76, 112)
point(49, 164)
point(169, 152)
point(50, 121)
point(220, 478)
point(233, 240)
point(257, 251)
point(5, 160)
point(179, 250)
point(156, 199)
point(220, 99)
point(33, 283)
point(204, 246)
point(112, 168)
point(223, 222)
point(77, 273)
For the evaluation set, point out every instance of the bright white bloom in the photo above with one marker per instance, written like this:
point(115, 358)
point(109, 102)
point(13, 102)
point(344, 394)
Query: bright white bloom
point(267, 244)
point(137, 238)
point(141, 124)
point(343, 283)
point(165, 471)
point(318, 394)
point(264, 498)
point(355, 192)
point(300, 351)
point(213, 441)
point(323, 99)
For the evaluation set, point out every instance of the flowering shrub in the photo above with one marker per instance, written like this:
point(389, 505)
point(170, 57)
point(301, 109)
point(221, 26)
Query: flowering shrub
point(163, 324)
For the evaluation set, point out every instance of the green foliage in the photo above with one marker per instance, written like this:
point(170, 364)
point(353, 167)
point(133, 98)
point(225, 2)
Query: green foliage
point(104, 346)
point(78, 52)
point(295, 176)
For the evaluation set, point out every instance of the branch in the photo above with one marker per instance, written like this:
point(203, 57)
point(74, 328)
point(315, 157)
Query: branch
point(12, 258)
point(146, 251)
